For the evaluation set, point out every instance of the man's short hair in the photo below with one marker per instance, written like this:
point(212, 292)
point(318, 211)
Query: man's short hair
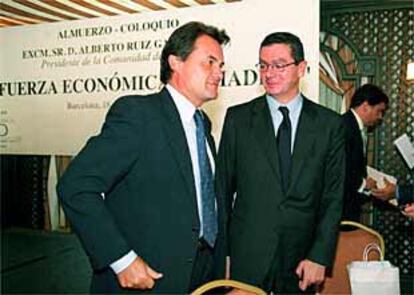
point(181, 44)
point(289, 39)
point(369, 93)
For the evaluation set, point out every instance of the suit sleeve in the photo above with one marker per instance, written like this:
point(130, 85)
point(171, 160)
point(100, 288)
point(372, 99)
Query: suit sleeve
point(100, 165)
point(405, 194)
point(330, 207)
point(226, 166)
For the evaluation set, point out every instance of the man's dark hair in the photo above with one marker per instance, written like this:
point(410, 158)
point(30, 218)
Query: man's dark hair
point(181, 44)
point(369, 93)
point(289, 39)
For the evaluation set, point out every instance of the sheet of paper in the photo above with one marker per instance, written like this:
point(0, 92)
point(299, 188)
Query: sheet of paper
point(393, 202)
point(379, 176)
point(406, 149)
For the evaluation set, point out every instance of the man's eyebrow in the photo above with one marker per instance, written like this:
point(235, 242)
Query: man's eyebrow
point(216, 60)
point(278, 60)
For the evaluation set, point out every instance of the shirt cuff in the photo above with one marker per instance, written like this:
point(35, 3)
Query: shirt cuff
point(123, 262)
point(362, 189)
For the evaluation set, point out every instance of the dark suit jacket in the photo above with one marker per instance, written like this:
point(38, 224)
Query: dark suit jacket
point(405, 194)
point(356, 169)
point(271, 232)
point(142, 164)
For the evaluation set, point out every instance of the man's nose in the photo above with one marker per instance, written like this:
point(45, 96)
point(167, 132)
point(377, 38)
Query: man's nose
point(271, 72)
point(218, 72)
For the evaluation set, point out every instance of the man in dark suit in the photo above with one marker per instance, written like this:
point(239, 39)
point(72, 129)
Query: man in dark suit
point(368, 105)
point(140, 194)
point(283, 158)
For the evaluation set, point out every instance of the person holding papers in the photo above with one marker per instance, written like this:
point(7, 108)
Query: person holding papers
point(368, 105)
point(404, 195)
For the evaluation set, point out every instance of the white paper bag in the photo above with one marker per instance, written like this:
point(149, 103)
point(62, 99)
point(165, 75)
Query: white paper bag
point(373, 277)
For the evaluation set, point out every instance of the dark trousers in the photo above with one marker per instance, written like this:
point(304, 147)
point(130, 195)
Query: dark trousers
point(203, 266)
point(282, 278)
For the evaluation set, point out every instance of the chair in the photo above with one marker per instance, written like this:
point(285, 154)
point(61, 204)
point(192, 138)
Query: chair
point(350, 247)
point(228, 283)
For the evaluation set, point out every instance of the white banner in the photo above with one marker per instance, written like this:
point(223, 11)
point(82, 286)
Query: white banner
point(58, 80)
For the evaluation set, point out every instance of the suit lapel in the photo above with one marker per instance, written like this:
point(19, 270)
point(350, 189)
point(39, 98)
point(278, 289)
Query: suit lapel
point(177, 139)
point(264, 132)
point(304, 141)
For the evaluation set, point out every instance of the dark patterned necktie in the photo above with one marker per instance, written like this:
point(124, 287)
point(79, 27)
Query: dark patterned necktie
point(283, 138)
point(209, 225)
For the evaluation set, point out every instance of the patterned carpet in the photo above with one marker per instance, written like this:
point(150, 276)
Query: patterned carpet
point(38, 262)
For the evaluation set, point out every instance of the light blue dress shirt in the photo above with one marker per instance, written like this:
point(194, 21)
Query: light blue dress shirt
point(294, 106)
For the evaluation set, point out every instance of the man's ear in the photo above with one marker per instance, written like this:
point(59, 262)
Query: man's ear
point(175, 62)
point(303, 65)
point(365, 105)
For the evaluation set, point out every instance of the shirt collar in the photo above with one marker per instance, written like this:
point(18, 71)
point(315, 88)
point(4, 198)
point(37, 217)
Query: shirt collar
point(359, 120)
point(185, 108)
point(294, 105)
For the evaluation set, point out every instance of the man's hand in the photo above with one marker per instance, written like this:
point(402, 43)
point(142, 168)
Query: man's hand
point(138, 275)
point(386, 192)
point(409, 210)
point(370, 183)
point(310, 273)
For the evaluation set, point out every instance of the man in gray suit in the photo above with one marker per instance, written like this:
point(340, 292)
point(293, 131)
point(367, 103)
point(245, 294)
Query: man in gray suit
point(140, 194)
point(283, 158)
